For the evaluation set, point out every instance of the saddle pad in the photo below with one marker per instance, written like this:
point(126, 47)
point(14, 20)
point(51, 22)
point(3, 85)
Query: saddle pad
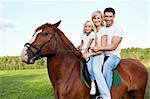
point(116, 78)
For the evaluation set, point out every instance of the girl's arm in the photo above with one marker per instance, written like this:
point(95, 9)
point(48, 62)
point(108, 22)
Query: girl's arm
point(89, 44)
point(80, 46)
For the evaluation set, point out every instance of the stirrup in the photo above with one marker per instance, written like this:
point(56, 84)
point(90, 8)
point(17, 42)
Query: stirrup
point(98, 97)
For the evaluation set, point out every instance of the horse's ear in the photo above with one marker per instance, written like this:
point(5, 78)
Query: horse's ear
point(57, 24)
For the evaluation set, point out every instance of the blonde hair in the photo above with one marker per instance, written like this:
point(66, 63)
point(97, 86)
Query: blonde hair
point(98, 12)
point(102, 23)
point(92, 25)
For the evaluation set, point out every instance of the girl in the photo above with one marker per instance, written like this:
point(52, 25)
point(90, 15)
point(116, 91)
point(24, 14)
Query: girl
point(87, 40)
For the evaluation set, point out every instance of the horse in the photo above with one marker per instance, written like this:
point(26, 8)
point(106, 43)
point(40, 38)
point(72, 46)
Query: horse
point(63, 64)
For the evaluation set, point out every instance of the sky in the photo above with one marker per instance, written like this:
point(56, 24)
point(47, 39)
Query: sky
point(19, 19)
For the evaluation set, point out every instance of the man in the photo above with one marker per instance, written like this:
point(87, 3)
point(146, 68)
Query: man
point(113, 35)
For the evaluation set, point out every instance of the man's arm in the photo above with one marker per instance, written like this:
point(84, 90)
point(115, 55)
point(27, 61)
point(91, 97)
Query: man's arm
point(115, 42)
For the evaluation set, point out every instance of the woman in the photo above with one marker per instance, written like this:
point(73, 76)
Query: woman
point(98, 58)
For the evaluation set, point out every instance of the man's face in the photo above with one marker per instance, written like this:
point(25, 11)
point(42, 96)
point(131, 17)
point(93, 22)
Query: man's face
point(109, 17)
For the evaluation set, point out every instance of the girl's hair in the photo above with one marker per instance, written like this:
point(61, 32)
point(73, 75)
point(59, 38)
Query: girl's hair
point(98, 12)
point(92, 25)
point(93, 29)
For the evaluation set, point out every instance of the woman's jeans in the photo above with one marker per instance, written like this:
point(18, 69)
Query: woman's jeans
point(98, 61)
point(110, 64)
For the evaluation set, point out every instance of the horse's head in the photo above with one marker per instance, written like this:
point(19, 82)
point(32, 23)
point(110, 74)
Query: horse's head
point(42, 42)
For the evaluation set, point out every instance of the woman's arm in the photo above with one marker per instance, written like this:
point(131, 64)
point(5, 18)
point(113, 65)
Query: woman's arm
point(103, 44)
point(104, 40)
point(115, 42)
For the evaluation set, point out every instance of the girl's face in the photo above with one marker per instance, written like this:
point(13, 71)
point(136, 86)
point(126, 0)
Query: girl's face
point(97, 19)
point(87, 28)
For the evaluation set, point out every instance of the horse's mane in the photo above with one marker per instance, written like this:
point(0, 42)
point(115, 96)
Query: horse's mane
point(67, 42)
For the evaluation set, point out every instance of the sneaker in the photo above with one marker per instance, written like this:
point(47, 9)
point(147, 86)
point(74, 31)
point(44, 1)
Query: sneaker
point(93, 90)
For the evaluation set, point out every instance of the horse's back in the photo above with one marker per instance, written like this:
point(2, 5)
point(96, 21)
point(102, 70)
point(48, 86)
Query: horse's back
point(134, 74)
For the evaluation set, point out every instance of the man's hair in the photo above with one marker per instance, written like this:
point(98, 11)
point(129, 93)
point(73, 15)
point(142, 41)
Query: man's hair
point(109, 9)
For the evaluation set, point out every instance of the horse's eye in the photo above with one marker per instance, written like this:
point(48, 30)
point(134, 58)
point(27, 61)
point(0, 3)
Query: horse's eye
point(44, 33)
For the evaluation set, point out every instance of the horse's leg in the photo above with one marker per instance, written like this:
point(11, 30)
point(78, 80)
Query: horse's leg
point(56, 94)
point(129, 95)
point(118, 92)
point(139, 94)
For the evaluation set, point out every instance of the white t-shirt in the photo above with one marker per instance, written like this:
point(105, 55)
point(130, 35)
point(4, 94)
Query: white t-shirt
point(114, 30)
point(99, 34)
point(86, 39)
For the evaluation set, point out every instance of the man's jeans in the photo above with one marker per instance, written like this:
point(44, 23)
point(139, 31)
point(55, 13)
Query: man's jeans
point(110, 64)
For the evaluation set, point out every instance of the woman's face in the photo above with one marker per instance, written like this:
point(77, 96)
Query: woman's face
point(97, 19)
point(88, 28)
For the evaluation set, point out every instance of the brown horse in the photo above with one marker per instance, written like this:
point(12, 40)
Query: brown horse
point(63, 63)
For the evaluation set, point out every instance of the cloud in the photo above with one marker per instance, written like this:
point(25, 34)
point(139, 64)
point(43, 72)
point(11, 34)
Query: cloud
point(5, 24)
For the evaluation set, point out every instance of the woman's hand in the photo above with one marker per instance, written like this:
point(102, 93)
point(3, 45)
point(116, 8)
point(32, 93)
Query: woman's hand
point(86, 54)
point(95, 49)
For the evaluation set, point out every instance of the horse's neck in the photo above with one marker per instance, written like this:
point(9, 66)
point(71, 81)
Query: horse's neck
point(65, 64)
point(62, 68)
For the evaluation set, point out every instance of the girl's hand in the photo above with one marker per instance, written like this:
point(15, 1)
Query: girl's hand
point(79, 48)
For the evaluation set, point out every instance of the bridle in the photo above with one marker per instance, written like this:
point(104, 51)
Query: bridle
point(38, 53)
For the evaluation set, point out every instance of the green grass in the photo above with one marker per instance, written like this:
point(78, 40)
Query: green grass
point(147, 95)
point(31, 84)
point(25, 84)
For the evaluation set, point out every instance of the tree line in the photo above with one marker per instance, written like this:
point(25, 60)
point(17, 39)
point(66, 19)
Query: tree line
point(15, 63)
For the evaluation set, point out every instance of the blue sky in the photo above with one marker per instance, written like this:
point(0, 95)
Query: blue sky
point(19, 19)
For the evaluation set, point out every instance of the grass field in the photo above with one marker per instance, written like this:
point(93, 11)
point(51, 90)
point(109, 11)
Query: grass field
point(25, 84)
point(30, 84)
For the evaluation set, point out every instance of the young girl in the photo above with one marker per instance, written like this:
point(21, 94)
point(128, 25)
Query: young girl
point(87, 40)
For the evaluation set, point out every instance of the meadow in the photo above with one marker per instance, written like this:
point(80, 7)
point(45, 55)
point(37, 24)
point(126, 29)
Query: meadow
point(31, 84)
point(21, 81)
point(25, 84)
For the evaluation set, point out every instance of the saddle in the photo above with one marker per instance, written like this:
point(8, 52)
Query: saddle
point(86, 79)
point(84, 73)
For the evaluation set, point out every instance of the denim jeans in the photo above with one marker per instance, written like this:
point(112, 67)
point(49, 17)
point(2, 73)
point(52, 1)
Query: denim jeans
point(90, 68)
point(110, 64)
point(100, 80)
